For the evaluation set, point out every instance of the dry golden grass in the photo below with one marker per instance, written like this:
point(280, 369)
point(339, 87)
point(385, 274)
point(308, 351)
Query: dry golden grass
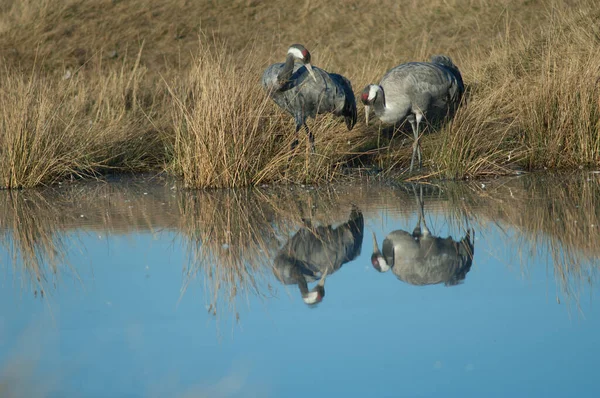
point(533, 102)
point(39, 139)
point(79, 125)
point(228, 133)
point(561, 109)
point(530, 66)
point(223, 136)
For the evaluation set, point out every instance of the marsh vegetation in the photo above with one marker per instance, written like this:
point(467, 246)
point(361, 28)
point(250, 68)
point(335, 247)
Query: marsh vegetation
point(230, 238)
point(94, 87)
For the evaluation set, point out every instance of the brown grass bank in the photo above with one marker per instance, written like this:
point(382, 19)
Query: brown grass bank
point(76, 126)
point(134, 85)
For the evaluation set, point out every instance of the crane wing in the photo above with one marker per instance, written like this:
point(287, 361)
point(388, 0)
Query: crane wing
point(349, 108)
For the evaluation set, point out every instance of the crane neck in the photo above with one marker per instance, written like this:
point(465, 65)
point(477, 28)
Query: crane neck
point(379, 103)
point(395, 111)
point(285, 74)
point(303, 286)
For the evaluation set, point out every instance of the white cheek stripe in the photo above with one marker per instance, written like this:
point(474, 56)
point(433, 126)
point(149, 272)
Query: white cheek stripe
point(383, 265)
point(311, 298)
point(295, 52)
point(373, 92)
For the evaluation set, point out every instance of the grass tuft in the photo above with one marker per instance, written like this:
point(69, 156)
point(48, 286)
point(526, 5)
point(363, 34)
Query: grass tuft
point(76, 126)
point(75, 103)
point(222, 133)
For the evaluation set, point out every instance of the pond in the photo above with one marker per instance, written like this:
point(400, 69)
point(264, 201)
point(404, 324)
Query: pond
point(138, 288)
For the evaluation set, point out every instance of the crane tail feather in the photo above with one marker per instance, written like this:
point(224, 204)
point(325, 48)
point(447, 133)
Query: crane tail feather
point(350, 113)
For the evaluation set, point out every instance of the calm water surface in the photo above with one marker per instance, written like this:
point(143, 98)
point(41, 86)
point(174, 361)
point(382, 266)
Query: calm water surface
point(138, 288)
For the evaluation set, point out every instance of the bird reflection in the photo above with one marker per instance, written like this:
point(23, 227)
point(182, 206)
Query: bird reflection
point(315, 252)
point(421, 258)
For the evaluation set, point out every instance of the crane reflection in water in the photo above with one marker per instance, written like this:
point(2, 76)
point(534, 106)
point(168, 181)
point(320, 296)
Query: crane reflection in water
point(420, 258)
point(315, 252)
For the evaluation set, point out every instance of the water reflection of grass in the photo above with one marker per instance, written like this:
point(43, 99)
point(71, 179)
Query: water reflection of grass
point(231, 237)
point(36, 226)
point(28, 227)
point(555, 218)
point(559, 220)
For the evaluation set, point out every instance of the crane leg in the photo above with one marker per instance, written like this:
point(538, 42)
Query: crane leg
point(295, 142)
point(421, 206)
point(417, 230)
point(415, 129)
point(419, 154)
point(419, 117)
point(414, 124)
point(311, 138)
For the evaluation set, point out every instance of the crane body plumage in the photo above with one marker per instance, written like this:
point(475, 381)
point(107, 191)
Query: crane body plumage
point(314, 252)
point(305, 91)
point(421, 258)
point(415, 91)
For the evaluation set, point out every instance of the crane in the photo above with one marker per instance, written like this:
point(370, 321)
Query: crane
point(305, 91)
point(421, 258)
point(415, 91)
point(315, 252)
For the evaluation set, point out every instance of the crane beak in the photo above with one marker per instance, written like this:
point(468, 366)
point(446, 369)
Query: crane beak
point(367, 109)
point(310, 71)
point(375, 245)
point(317, 293)
point(379, 262)
point(322, 280)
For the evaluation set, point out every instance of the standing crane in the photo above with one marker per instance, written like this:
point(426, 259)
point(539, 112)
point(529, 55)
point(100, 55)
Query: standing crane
point(415, 91)
point(305, 91)
point(421, 258)
point(315, 252)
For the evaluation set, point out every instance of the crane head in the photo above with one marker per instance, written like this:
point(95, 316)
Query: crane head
point(299, 52)
point(368, 96)
point(315, 296)
point(377, 259)
point(379, 263)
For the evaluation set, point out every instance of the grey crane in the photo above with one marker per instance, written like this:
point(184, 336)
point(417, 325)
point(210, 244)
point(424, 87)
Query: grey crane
point(415, 91)
point(423, 259)
point(305, 91)
point(315, 252)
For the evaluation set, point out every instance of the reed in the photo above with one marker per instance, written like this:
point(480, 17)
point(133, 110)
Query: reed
point(75, 126)
point(536, 103)
point(28, 230)
point(188, 98)
point(230, 237)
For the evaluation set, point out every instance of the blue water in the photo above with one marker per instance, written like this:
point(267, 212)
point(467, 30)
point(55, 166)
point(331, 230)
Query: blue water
point(117, 324)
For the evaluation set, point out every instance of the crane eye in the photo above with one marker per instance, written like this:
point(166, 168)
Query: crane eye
point(306, 55)
point(375, 262)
